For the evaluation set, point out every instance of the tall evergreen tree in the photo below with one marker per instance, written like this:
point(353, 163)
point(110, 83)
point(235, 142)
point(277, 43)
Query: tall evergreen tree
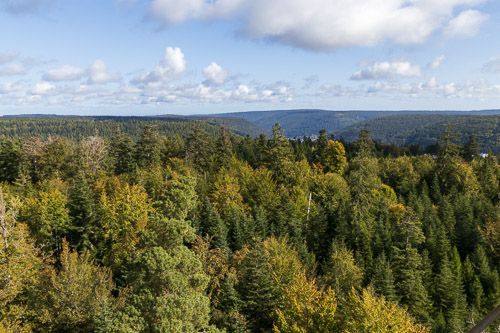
point(122, 151)
point(409, 283)
point(365, 147)
point(147, 150)
point(471, 149)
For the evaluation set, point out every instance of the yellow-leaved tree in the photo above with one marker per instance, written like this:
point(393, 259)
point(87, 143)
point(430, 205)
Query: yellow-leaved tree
point(368, 313)
point(307, 308)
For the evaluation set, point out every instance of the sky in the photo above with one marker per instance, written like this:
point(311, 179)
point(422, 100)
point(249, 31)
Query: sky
point(148, 57)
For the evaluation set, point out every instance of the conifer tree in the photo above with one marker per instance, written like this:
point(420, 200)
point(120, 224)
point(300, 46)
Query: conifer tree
point(383, 279)
point(409, 282)
point(147, 150)
point(122, 152)
point(10, 160)
point(321, 147)
point(471, 149)
point(365, 147)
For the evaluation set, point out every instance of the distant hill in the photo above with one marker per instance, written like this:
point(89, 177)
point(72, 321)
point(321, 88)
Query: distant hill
point(306, 122)
point(425, 129)
point(76, 127)
point(397, 127)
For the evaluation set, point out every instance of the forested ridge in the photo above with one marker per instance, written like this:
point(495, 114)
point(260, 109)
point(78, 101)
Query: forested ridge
point(202, 230)
point(424, 130)
point(74, 127)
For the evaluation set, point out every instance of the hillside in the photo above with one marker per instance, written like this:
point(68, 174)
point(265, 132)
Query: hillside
point(107, 126)
point(298, 123)
point(404, 130)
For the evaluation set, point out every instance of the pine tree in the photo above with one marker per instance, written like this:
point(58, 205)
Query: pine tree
point(147, 150)
point(449, 298)
point(365, 146)
point(266, 272)
point(223, 149)
point(383, 279)
point(122, 151)
point(471, 149)
point(321, 147)
point(199, 149)
point(166, 283)
point(212, 225)
point(10, 160)
point(279, 153)
point(82, 209)
point(409, 283)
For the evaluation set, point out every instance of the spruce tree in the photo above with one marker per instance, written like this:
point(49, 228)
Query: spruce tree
point(383, 279)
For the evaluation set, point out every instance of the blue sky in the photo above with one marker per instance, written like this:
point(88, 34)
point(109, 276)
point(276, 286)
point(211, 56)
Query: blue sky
point(135, 57)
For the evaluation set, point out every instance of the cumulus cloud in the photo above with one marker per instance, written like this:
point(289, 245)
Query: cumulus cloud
point(64, 73)
point(98, 73)
point(492, 66)
point(329, 24)
point(19, 7)
point(466, 24)
point(13, 70)
point(173, 64)
point(42, 88)
point(437, 62)
point(6, 57)
point(214, 74)
point(386, 69)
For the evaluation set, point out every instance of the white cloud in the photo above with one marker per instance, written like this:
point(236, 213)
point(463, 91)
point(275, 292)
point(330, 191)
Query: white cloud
point(7, 88)
point(98, 73)
point(6, 57)
point(385, 70)
point(437, 62)
point(492, 65)
point(327, 24)
point(13, 70)
point(172, 65)
point(466, 24)
point(42, 88)
point(175, 11)
point(64, 73)
point(215, 74)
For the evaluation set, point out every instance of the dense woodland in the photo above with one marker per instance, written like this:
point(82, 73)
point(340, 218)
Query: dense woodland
point(213, 232)
point(424, 130)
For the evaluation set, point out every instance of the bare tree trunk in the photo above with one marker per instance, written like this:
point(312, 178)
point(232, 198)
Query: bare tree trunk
point(490, 318)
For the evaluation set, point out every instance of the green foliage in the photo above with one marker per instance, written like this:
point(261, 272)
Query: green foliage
point(73, 297)
point(10, 160)
point(47, 215)
point(204, 231)
point(266, 272)
point(341, 272)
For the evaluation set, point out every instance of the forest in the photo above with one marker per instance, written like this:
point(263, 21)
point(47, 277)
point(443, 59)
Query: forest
point(199, 229)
